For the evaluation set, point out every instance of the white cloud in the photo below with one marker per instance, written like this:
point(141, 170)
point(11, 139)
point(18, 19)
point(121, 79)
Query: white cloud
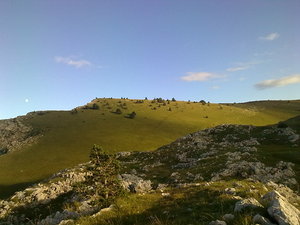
point(238, 68)
point(270, 37)
point(292, 79)
point(199, 76)
point(243, 66)
point(215, 87)
point(72, 62)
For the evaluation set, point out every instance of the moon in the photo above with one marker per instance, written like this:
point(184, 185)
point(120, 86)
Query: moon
point(26, 100)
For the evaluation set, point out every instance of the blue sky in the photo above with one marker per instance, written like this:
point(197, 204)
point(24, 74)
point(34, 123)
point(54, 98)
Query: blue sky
point(58, 54)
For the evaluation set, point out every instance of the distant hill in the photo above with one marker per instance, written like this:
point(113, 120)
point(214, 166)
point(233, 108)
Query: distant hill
point(65, 137)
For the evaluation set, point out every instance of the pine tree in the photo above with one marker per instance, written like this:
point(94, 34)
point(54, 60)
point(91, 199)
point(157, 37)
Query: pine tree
point(103, 170)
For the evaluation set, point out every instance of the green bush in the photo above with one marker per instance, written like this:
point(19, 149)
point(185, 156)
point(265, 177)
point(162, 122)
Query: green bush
point(132, 115)
point(282, 125)
point(118, 111)
point(101, 179)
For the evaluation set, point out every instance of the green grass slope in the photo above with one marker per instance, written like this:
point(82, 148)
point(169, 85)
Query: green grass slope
point(67, 137)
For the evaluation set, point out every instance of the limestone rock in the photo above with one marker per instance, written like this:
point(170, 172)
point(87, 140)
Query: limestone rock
point(281, 210)
point(247, 203)
point(258, 219)
point(218, 222)
point(228, 217)
point(135, 184)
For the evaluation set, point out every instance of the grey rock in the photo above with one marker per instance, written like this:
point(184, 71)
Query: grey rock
point(281, 210)
point(258, 219)
point(228, 217)
point(248, 203)
point(218, 222)
point(135, 184)
point(230, 191)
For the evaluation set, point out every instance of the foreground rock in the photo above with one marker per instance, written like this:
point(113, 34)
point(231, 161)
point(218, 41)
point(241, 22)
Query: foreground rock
point(281, 210)
point(249, 203)
point(43, 193)
point(258, 219)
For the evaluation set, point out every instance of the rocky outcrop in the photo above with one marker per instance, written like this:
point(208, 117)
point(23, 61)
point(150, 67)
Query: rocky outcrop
point(281, 173)
point(135, 184)
point(14, 134)
point(58, 217)
point(281, 210)
point(43, 193)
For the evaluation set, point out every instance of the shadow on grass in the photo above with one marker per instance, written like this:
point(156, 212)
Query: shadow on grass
point(184, 207)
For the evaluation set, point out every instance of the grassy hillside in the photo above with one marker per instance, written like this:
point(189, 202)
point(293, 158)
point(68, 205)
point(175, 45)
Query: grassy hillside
point(68, 136)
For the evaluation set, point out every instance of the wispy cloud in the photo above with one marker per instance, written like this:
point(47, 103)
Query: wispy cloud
point(270, 37)
point(242, 66)
point(283, 81)
point(72, 62)
point(238, 68)
point(199, 76)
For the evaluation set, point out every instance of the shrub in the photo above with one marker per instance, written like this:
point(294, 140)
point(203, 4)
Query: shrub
point(95, 106)
point(282, 125)
point(139, 101)
point(3, 151)
point(132, 115)
point(118, 111)
point(74, 111)
point(160, 100)
point(173, 100)
point(203, 102)
point(102, 175)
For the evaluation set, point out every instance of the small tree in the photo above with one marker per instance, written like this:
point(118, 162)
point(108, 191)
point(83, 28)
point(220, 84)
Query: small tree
point(103, 170)
point(173, 100)
point(118, 111)
point(132, 115)
point(95, 106)
point(203, 102)
point(74, 111)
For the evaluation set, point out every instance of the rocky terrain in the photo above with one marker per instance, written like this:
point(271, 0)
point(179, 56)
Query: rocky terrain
point(228, 159)
point(14, 134)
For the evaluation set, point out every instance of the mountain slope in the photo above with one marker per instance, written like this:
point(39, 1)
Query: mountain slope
point(68, 135)
point(196, 179)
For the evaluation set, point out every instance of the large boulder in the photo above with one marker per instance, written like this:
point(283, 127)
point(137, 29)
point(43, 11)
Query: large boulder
point(281, 210)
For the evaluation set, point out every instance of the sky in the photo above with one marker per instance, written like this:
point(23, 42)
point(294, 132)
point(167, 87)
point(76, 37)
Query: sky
point(59, 54)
